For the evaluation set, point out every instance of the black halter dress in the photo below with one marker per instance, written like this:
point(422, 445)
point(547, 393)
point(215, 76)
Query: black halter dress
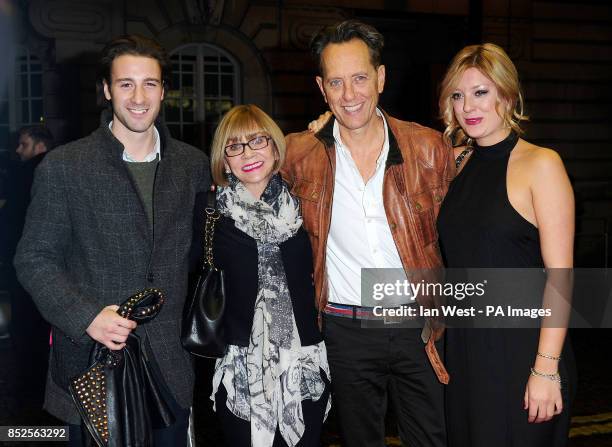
point(489, 368)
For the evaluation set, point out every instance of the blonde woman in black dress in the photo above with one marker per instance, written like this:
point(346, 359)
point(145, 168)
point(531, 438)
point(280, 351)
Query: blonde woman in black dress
point(510, 206)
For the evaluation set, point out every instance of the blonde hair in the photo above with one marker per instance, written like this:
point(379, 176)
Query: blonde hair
point(493, 62)
point(238, 121)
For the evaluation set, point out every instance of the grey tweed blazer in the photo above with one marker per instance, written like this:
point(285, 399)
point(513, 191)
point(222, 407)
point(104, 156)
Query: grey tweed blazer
point(87, 244)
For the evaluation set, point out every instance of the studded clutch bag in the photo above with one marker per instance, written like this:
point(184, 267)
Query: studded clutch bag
point(117, 394)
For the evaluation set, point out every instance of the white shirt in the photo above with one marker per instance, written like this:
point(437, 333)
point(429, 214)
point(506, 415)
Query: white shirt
point(150, 156)
point(359, 234)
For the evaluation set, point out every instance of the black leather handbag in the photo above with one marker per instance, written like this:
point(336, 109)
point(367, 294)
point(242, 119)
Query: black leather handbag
point(202, 332)
point(118, 397)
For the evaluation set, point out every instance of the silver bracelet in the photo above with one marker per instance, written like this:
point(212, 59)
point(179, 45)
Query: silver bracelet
point(548, 356)
point(555, 377)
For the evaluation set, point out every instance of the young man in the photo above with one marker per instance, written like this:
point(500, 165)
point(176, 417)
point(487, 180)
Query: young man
point(110, 215)
point(371, 186)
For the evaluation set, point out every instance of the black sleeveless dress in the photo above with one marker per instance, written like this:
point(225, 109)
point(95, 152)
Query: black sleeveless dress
point(489, 368)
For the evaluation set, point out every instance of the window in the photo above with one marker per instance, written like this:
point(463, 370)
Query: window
point(204, 86)
point(21, 101)
point(29, 90)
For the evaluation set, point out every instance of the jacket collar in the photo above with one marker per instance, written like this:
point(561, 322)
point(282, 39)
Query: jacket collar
point(326, 136)
point(326, 133)
point(117, 147)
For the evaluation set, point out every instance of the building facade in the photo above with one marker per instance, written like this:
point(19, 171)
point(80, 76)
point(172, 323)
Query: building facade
point(226, 52)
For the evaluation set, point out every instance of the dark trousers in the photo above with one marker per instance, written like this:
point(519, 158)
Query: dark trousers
point(369, 366)
point(237, 432)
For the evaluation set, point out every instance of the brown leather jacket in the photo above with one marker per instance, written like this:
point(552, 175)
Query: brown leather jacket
point(418, 171)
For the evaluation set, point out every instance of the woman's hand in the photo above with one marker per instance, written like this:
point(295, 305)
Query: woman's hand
point(317, 125)
point(542, 399)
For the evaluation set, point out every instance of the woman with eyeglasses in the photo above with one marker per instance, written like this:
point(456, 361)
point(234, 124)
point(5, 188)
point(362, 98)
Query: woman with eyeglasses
point(271, 388)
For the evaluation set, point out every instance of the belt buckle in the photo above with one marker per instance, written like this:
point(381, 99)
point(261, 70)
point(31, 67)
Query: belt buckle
point(359, 313)
point(392, 320)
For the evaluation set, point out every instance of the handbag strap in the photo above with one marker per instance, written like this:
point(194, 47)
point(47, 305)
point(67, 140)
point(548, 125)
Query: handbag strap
point(211, 217)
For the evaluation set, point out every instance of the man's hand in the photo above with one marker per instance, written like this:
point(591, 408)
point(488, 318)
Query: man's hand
point(110, 329)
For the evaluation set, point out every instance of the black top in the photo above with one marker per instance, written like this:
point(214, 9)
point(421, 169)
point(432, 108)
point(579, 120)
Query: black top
point(477, 225)
point(235, 252)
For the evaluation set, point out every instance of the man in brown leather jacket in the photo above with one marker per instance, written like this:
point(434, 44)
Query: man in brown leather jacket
point(370, 189)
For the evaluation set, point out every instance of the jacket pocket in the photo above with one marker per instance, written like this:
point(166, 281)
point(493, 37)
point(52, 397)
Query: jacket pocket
point(68, 359)
point(424, 207)
point(309, 193)
point(307, 190)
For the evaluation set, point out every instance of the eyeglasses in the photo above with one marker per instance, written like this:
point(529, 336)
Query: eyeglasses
point(257, 143)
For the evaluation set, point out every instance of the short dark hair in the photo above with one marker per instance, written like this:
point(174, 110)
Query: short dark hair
point(344, 32)
point(39, 133)
point(134, 45)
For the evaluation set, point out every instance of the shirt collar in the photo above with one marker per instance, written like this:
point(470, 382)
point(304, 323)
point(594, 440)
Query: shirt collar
point(151, 156)
point(382, 158)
